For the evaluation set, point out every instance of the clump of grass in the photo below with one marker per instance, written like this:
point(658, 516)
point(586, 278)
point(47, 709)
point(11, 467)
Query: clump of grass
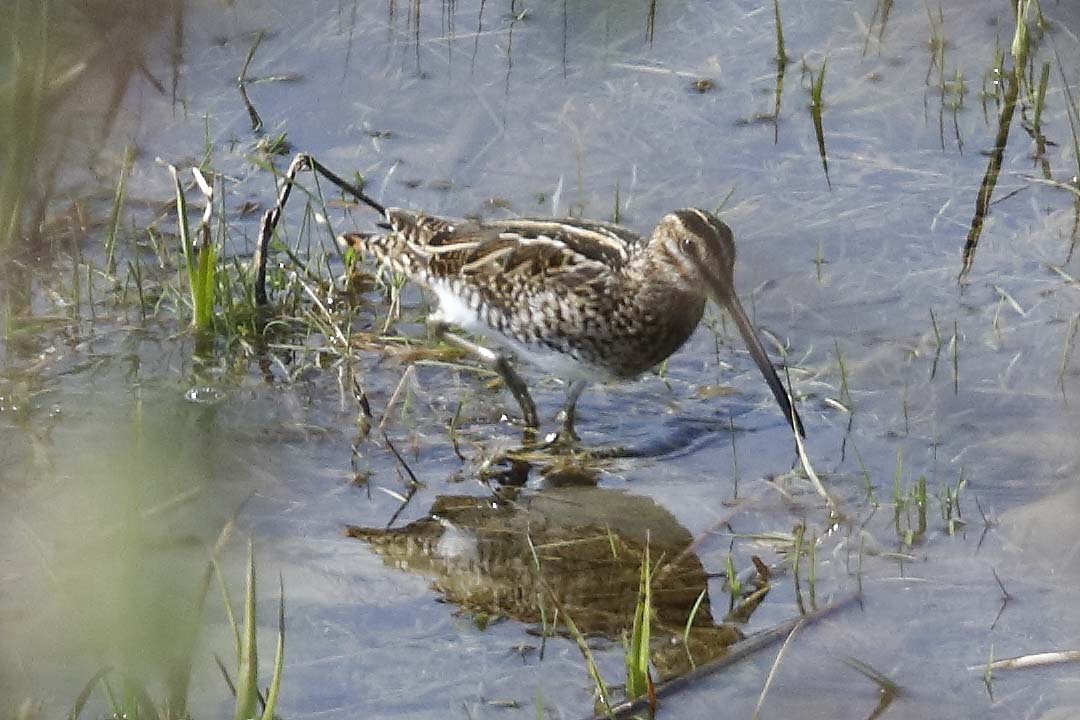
point(274, 145)
point(734, 585)
point(905, 503)
point(131, 698)
point(201, 261)
point(955, 90)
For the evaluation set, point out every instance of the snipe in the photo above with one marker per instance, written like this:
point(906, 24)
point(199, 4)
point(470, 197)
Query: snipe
point(584, 300)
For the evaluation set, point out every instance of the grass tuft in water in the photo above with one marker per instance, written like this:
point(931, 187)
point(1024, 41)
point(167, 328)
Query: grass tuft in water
point(950, 504)
point(909, 530)
point(201, 261)
point(734, 585)
point(128, 696)
point(246, 687)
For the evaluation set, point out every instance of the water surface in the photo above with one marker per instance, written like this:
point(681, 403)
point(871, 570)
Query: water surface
point(112, 473)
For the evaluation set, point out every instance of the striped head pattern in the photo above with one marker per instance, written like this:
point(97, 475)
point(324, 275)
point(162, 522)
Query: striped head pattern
point(698, 247)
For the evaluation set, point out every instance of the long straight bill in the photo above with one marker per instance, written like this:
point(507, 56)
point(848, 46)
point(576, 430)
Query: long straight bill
point(735, 309)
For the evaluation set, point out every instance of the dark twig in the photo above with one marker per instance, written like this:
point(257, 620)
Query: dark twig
point(414, 481)
point(269, 223)
point(271, 217)
point(344, 184)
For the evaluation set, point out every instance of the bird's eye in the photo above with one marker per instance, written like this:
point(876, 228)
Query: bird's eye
point(687, 243)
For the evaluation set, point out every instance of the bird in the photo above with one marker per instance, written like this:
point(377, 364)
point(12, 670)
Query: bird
point(585, 300)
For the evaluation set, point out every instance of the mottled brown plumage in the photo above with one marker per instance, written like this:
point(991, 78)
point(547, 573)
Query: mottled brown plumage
point(585, 300)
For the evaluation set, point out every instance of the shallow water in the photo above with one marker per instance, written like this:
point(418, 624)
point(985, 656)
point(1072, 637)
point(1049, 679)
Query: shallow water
point(114, 481)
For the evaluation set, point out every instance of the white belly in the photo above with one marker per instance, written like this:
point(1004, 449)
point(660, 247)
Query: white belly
point(455, 311)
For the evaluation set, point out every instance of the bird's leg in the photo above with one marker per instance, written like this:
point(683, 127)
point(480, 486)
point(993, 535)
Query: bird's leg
point(498, 363)
point(568, 412)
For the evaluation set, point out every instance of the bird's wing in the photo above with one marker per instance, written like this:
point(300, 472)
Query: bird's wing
point(532, 251)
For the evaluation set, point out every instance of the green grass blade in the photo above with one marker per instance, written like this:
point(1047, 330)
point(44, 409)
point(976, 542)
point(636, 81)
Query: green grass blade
point(201, 261)
point(690, 623)
point(227, 597)
point(1021, 41)
point(115, 217)
point(590, 663)
point(637, 655)
point(187, 246)
point(206, 281)
point(142, 705)
point(247, 680)
point(84, 694)
point(781, 52)
point(279, 656)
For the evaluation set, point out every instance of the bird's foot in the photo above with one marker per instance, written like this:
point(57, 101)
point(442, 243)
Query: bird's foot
point(566, 435)
point(564, 442)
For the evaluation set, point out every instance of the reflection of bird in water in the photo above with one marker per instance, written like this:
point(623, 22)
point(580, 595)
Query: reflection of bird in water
point(585, 300)
point(589, 543)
